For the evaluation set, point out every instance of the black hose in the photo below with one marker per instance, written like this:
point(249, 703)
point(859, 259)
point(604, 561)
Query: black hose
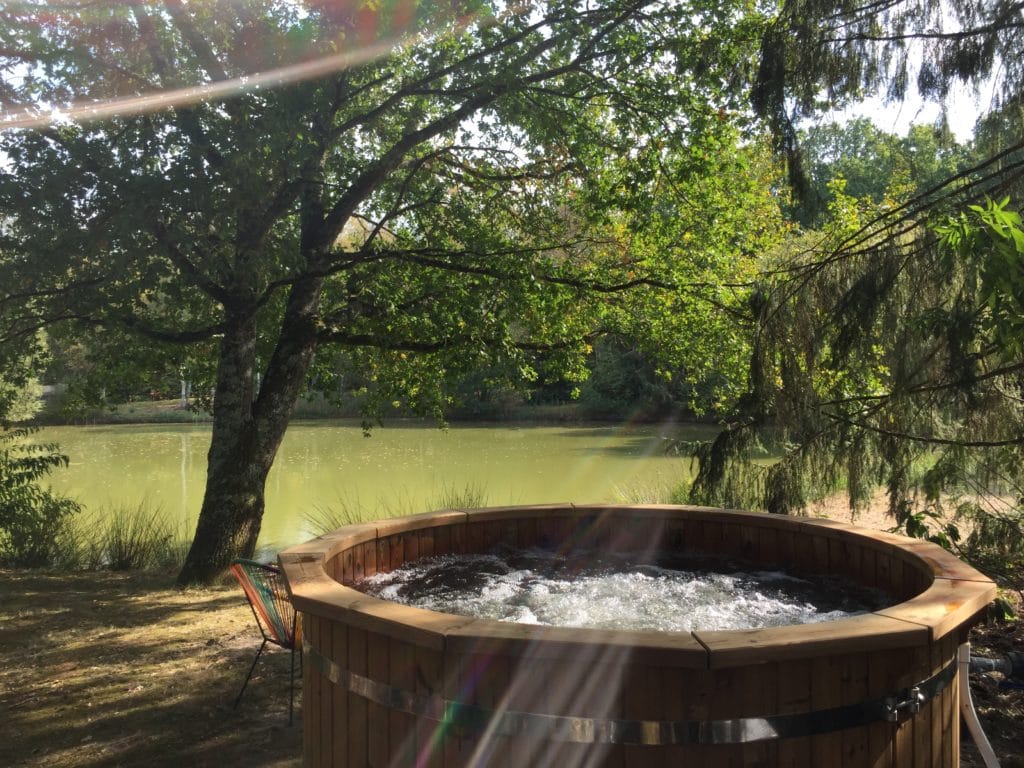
point(1012, 665)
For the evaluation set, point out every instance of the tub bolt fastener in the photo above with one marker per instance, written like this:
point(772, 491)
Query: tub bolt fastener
point(910, 704)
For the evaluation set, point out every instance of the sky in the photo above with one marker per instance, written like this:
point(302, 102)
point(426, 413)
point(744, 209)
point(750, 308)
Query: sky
point(962, 112)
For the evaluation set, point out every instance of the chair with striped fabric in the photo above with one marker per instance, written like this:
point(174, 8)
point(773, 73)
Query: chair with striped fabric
point(275, 615)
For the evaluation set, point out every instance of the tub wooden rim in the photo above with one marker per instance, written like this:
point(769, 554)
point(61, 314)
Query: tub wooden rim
point(955, 597)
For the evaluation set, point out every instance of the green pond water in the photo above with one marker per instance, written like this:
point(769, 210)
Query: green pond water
point(328, 469)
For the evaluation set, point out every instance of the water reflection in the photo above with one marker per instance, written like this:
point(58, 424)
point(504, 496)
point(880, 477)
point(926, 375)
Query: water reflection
point(399, 469)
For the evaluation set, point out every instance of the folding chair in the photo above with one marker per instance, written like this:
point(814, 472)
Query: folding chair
point(275, 615)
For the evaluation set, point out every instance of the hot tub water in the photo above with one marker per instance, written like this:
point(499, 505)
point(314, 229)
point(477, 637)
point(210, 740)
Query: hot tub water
point(606, 591)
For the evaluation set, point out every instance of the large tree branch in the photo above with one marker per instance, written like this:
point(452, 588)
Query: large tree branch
point(924, 439)
point(188, 268)
point(197, 42)
point(482, 96)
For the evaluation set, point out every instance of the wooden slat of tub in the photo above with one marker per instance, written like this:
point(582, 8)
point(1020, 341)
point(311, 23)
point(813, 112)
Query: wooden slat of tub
point(741, 692)
point(768, 546)
point(913, 732)
point(358, 566)
point(937, 705)
point(686, 697)
point(869, 568)
point(787, 547)
point(509, 533)
point(793, 696)
point(952, 721)
point(401, 726)
point(749, 538)
point(411, 541)
point(458, 543)
point(383, 545)
point(819, 550)
point(429, 683)
point(856, 668)
point(485, 684)
point(377, 717)
point(881, 681)
point(357, 705)
point(845, 558)
point(643, 698)
point(396, 547)
point(581, 687)
point(337, 651)
point(527, 534)
point(757, 696)
point(475, 536)
point(529, 683)
point(826, 693)
point(443, 540)
point(328, 695)
point(311, 682)
point(346, 566)
point(426, 542)
point(492, 534)
point(369, 558)
point(455, 746)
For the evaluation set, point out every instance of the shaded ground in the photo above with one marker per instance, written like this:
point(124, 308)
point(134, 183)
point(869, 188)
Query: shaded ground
point(1001, 710)
point(108, 669)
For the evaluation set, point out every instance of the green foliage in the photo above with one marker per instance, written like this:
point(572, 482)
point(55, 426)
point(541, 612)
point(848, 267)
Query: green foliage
point(818, 54)
point(875, 166)
point(884, 356)
point(1001, 609)
point(623, 384)
point(493, 192)
point(988, 241)
point(33, 520)
point(927, 523)
point(134, 538)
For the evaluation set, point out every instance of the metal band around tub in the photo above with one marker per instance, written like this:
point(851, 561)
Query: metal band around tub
point(595, 730)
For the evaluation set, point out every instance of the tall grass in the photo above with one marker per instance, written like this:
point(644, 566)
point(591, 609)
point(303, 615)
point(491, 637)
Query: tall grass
point(662, 491)
point(128, 538)
point(323, 519)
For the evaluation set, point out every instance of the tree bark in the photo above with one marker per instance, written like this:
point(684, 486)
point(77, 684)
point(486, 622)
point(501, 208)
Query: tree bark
point(248, 427)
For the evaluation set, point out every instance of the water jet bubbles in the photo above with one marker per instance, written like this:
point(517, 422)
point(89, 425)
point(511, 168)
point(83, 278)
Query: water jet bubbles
point(611, 593)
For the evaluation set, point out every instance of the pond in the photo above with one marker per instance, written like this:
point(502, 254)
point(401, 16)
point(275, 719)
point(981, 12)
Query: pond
point(328, 470)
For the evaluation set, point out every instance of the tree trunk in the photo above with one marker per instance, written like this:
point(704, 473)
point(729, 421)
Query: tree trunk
point(247, 431)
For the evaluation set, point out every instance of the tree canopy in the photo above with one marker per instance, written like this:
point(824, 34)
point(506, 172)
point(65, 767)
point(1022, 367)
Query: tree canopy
point(882, 350)
point(438, 186)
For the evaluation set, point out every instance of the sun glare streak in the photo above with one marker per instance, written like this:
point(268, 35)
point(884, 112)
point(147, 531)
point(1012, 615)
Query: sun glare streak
point(589, 682)
point(33, 117)
point(154, 102)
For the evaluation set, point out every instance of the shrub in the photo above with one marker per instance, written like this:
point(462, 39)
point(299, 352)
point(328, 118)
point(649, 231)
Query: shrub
point(34, 530)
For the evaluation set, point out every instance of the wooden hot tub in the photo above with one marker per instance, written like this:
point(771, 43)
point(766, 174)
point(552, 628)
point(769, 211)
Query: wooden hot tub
point(390, 685)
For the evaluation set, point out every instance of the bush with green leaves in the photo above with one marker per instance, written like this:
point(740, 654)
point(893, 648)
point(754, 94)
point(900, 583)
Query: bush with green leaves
point(33, 520)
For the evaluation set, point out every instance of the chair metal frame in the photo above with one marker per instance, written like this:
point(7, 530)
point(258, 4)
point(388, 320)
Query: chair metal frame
point(275, 616)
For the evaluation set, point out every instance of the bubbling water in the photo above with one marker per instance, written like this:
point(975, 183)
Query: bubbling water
point(610, 591)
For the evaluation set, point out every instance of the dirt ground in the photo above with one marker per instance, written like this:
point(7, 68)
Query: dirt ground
point(113, 669)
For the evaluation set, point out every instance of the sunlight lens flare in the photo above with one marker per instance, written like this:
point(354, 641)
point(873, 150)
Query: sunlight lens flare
point(371, 43)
